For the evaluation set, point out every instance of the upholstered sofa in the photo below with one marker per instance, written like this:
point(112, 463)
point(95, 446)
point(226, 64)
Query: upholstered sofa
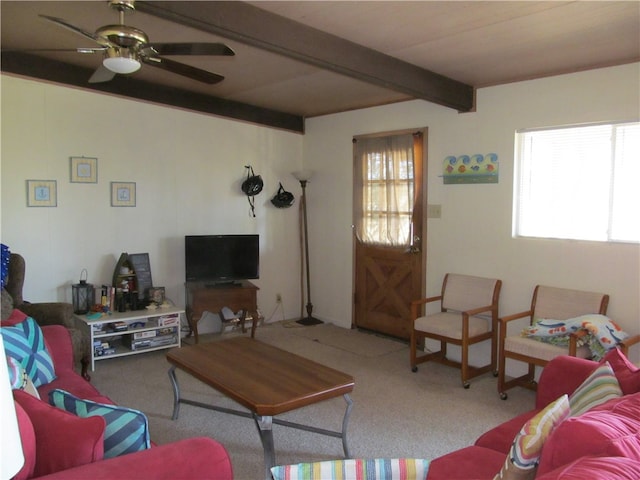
point(602, 442)
point(60, 445)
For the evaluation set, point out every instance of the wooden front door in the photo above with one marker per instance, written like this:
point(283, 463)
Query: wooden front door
point(389, 232)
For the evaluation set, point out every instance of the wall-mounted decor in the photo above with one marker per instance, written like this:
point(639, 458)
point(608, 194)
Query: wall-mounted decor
point(477, 168)
point(42, 193)
point(123, 194)
point(84, 170)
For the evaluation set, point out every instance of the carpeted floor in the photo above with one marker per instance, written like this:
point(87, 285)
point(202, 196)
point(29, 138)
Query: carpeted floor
point(396, 413)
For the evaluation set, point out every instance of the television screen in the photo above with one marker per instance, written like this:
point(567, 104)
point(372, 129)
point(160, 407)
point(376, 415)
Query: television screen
point(221, 258)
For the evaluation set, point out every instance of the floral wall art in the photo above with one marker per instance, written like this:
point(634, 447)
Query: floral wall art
point(476, 168)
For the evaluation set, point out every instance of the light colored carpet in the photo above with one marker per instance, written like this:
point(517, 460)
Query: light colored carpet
point(396, 413)
point(356, 342)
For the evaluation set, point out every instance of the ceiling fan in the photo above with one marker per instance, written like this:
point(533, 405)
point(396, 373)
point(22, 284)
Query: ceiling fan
point(125, 48)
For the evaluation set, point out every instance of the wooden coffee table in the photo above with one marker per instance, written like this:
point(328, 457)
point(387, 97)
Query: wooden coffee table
point(266, 380)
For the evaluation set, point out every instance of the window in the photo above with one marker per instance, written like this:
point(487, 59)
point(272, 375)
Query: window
point(385, 182)
point(579, 183)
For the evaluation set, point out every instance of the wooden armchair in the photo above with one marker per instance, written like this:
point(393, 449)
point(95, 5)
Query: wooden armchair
point(546, 303)
point(468, 315)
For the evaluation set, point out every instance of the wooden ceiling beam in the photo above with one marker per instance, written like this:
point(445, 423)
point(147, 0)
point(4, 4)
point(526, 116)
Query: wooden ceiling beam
point(254, 26)
point(59, 72)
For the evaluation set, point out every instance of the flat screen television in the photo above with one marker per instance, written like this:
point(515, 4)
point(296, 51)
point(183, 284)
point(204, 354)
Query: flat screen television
point(221, 259)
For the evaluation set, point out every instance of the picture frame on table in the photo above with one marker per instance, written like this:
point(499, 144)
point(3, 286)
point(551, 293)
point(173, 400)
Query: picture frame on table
point(84, 169)
point(157, 295)
point(123, 194)
point(42, 193)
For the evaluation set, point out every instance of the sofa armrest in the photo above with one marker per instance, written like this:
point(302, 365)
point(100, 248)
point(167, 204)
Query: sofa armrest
point(49, 313)
point(58, 341)
point(200, 457)
point(562, 375)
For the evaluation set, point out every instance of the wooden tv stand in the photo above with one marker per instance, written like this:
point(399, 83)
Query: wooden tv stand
point(205, 296)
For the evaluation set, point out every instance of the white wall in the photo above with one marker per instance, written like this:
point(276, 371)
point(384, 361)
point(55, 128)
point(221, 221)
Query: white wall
point(187, 167)
point(474, 234)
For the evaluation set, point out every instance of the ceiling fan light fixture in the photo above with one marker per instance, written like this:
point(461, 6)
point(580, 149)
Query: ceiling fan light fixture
point(121, 60)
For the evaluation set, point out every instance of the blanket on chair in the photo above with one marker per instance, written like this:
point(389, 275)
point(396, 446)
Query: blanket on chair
point(603, 334)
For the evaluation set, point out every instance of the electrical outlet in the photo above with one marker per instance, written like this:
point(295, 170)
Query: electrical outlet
point(434, 211)
point(278, 298)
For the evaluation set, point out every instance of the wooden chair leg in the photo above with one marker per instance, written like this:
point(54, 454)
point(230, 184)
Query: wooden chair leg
point(412, 351)
point(501, 375)
point(464, 364)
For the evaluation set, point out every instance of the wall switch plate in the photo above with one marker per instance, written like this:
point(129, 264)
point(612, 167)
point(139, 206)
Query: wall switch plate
point(434, 211)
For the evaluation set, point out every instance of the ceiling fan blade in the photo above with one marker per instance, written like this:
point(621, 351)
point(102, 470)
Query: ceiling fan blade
point(196, 48)
point(75, 50)
point(102, 74)
point(183, 69)
point(63, 23)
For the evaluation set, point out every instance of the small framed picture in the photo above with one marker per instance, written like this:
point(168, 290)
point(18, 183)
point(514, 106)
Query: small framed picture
point(84, 170)
point(42, 193)
point(156, 295)
point(123, 194)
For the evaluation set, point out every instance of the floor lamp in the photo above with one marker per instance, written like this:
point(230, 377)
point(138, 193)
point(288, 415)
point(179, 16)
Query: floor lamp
point(303, 177)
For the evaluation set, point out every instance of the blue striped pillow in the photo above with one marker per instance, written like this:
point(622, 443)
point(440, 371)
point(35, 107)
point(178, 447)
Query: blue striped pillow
point(127, 430)
point(25, 342)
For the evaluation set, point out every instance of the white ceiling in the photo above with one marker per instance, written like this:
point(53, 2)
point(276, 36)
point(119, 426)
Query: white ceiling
point(478, 43)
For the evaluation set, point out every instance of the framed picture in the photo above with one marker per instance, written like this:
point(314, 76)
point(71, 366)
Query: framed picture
point(84, 170)
point(123, 194)
point(42, 193)
point(156, 295)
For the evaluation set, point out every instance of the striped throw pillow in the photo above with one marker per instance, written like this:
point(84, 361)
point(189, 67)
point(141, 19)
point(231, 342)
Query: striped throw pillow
point(522, 460)
point(127, 430)
point(600, 386)
point(353, 469)
point(25, 342)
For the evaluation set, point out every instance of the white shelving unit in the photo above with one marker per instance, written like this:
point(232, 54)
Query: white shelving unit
point(146, 331)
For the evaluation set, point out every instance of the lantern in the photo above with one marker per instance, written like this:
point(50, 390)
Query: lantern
point(83, 295)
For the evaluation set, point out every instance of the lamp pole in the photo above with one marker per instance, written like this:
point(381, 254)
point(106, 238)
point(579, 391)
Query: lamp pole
point(309, 319)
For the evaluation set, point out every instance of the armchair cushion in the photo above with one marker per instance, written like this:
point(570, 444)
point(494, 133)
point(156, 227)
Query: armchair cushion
point(62, 440)
point(542, 350)
point(127, 430)
point(25, 342)
point(447, 324)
